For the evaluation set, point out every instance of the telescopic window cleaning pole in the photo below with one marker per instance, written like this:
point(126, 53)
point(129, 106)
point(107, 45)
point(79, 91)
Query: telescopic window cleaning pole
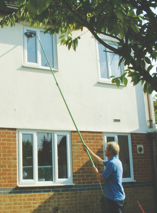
point(31, 35)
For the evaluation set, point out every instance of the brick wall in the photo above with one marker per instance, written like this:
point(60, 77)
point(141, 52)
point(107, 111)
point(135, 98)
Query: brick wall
point(144, 194)
point(8, 158)
point(84, 196)
point(142, 163)
point(141, 190)
point(47, 202)
point(82, 167)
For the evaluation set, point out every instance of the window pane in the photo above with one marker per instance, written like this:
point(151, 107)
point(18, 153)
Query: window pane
point(103, 62)
point(44, 156)
point(47, 43)
point(31, 49)
point(113, 60)
point(124, 154)
point(62, 156)
point(27, 153)
point(109, 139)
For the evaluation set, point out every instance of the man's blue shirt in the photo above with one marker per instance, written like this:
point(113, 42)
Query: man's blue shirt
point(113, 174)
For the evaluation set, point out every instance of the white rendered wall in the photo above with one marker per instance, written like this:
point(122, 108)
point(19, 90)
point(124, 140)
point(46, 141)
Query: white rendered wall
point(29, 98)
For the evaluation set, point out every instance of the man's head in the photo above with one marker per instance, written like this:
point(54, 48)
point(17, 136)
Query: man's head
point(112, 149)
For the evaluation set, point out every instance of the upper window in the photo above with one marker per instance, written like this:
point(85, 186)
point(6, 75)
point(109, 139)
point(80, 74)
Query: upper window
point(44, 158)
point(125, 154)
point(33, 53)
point(108, 64)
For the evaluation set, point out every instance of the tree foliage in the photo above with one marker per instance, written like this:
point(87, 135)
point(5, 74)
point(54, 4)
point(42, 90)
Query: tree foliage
point(155, 110)
point(155, 107)
point(132, 23)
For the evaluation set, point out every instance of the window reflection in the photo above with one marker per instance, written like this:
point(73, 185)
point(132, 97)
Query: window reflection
point(47, 43)
point(109, 62)
point(124, 155)
point(44, 156)
point(31, 49)
point(103, 62)
point(113, 62)
point(110, 139)
point(27, 150)
point(62, 156)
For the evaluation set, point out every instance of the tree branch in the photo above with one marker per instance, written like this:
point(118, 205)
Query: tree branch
point(115, 37)
point(146, 76)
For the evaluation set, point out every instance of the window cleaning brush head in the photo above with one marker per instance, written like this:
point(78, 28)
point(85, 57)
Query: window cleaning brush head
point(30, 34)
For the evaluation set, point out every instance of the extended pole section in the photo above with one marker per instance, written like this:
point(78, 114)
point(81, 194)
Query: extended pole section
point(31, 35)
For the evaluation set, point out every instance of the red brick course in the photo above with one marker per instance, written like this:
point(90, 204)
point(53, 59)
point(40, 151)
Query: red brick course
point(80, 201)
point(142, 163)
point(8, 158)
point(82, 167)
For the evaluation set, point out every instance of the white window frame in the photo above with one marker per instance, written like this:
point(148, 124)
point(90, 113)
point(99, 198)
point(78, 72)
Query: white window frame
point(56, 181)
point(106, 80)
point(105, 135)
point(38, 64)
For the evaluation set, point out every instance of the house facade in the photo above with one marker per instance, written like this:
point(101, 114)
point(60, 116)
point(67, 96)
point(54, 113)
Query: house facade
point(44, 167)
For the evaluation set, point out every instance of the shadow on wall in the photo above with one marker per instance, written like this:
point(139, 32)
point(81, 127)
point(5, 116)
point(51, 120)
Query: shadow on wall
point(84, 197)
point(8, 51)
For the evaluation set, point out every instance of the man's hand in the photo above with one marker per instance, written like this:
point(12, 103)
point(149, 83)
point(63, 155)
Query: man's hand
point(85, 147)
point(94, 156)
point(95, 170)
point(100, 178)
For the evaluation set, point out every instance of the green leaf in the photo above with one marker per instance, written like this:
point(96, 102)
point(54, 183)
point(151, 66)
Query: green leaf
point(120, 61)
point(147, 60)
point(38, 6)
point(69, 45)
point(74, 45)
point(145, 87)
point(125, 81)
point(119, 15)
point(142, 82)
point(135, 80)
point(116, 81)
point(149, 89)
point(62, 36)
point(138, 11)
point(149, 68)
point(135, 28)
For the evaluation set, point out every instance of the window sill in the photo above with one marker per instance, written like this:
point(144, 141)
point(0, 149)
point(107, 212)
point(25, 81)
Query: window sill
point(128, 181)
point(45, 185)
point(106, 81)
point(39, 68)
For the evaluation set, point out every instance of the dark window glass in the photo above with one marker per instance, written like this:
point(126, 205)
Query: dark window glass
point(27, 153)
point(124, 155)
point(45, 157)
point(32, 49)
point(62, 156)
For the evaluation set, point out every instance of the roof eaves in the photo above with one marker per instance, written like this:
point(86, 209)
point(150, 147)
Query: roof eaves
point(11, 5)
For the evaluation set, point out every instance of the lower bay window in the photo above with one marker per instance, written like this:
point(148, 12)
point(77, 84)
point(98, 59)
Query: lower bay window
point(125, 154)
point(44, 158)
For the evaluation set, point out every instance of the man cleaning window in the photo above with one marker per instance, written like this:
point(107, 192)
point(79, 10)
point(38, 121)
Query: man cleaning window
point(111, 177)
